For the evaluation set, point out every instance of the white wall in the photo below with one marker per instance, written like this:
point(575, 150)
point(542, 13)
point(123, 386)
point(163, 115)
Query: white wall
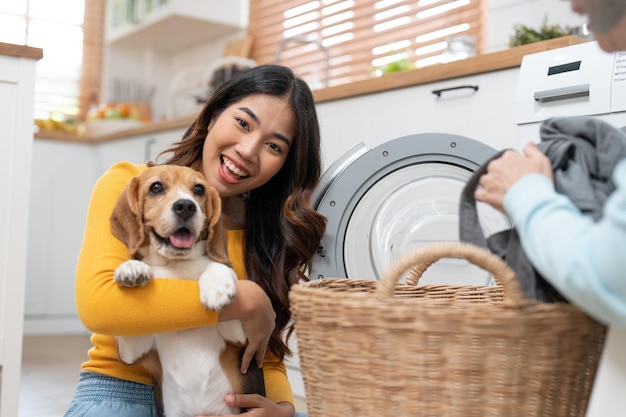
point(154, 68)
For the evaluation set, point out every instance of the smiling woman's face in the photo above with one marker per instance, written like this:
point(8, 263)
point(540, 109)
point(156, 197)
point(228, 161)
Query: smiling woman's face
point(248, 144)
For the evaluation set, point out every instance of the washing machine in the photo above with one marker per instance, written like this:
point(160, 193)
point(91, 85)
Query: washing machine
point(385, 201)
point(381, 203)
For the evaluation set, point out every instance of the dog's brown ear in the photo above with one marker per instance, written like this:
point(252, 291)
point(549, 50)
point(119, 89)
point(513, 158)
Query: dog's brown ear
point(126, 220)
point(216, 242)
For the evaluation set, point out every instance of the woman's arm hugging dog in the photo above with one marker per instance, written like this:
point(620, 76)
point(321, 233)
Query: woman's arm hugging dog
point(170, 220)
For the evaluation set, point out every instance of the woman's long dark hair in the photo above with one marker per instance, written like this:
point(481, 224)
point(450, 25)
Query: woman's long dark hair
point(282, 230)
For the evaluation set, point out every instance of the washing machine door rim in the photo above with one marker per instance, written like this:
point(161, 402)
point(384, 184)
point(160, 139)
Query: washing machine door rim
point(350, 178)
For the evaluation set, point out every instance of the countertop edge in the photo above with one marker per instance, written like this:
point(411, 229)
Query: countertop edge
point(21, 51)
point(493, 61)
point(152, 127)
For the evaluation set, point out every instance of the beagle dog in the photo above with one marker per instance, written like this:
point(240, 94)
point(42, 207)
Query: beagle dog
point(169, 217)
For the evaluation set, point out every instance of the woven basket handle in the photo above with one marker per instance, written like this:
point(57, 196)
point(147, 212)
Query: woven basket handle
point(421, 259)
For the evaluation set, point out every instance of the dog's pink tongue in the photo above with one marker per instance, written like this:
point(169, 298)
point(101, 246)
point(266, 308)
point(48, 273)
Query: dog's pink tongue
point(182, 239)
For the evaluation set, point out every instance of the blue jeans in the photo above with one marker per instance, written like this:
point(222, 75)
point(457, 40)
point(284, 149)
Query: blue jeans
point(104, 396)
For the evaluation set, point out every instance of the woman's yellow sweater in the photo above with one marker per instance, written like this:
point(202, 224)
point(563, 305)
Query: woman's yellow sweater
point(163, 305)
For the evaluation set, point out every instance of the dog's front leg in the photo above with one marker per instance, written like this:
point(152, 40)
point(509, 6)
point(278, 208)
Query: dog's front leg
point(232, 331)
point(217, 286)
point(133, 273)
point(133, 348)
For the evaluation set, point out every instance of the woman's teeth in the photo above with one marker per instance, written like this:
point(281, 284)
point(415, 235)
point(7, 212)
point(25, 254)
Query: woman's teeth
point(233, 168)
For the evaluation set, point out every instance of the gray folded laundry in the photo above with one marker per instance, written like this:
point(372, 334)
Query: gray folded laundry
point(583, 152)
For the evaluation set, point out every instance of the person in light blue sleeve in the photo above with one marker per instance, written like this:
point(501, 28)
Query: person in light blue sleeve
point(585, 260)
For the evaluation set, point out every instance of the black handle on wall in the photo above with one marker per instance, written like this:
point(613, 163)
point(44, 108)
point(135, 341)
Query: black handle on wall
point(443, 90)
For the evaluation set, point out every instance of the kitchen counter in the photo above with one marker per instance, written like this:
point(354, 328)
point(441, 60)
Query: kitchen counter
point(21, 51)
point(494, 61)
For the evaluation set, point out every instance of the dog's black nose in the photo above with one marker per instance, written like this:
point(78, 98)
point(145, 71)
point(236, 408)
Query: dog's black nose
point(184, 208)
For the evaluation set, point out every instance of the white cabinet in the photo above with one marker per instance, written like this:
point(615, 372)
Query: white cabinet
point(136, 149)
point(63, 177)
point(17, 89)
point(486, 115)
point(168, 25)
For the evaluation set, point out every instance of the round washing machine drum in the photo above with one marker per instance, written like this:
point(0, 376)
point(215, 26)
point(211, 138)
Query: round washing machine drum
point(383, 202)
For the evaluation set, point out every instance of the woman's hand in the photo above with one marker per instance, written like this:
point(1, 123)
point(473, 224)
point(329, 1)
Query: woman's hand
point(504, 172)
point(253, 307)
point(258, 406)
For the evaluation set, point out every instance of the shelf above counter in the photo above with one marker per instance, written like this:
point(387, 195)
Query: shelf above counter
point(171, 25)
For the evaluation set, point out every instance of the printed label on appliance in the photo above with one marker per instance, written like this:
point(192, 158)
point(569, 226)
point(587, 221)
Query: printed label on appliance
point(619, 67)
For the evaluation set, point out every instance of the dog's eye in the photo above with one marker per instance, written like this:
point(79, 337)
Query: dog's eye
point(198, 190)
point(156, 188)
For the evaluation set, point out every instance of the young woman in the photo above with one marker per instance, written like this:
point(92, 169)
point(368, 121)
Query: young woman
point(257, 142)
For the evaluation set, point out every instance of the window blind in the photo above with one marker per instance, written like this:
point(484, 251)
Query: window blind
point(91, 70)
point(351, 39)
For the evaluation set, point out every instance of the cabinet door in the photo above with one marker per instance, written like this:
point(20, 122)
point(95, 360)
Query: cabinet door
point(136, 149)
point(486, 115)
point(60, 189)
point(17, 86)
point(8, 91)
point(155, 143)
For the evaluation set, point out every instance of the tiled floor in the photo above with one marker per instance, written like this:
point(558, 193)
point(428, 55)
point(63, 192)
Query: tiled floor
point(50, 371)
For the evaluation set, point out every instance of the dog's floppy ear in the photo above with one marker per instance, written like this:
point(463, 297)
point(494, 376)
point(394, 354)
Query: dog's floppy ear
point(126, 220)
point(216, 242)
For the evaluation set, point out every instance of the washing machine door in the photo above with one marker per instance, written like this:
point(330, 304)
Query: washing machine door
point(383, 202)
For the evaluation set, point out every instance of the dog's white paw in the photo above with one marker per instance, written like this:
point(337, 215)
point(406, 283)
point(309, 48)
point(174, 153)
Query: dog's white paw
point(133, 273)
point(217, 286)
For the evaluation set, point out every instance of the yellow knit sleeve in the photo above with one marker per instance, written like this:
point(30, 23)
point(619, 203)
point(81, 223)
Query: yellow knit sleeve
point(277, 387)
point(104, 307)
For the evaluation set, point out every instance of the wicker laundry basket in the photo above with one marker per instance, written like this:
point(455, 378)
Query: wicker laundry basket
point(381, 348)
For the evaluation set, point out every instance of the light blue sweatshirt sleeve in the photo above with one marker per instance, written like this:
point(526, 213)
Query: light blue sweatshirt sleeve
point(585, 261)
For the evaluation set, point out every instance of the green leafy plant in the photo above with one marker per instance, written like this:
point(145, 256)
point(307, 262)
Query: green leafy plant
point(400, 64)
point(524, 35)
